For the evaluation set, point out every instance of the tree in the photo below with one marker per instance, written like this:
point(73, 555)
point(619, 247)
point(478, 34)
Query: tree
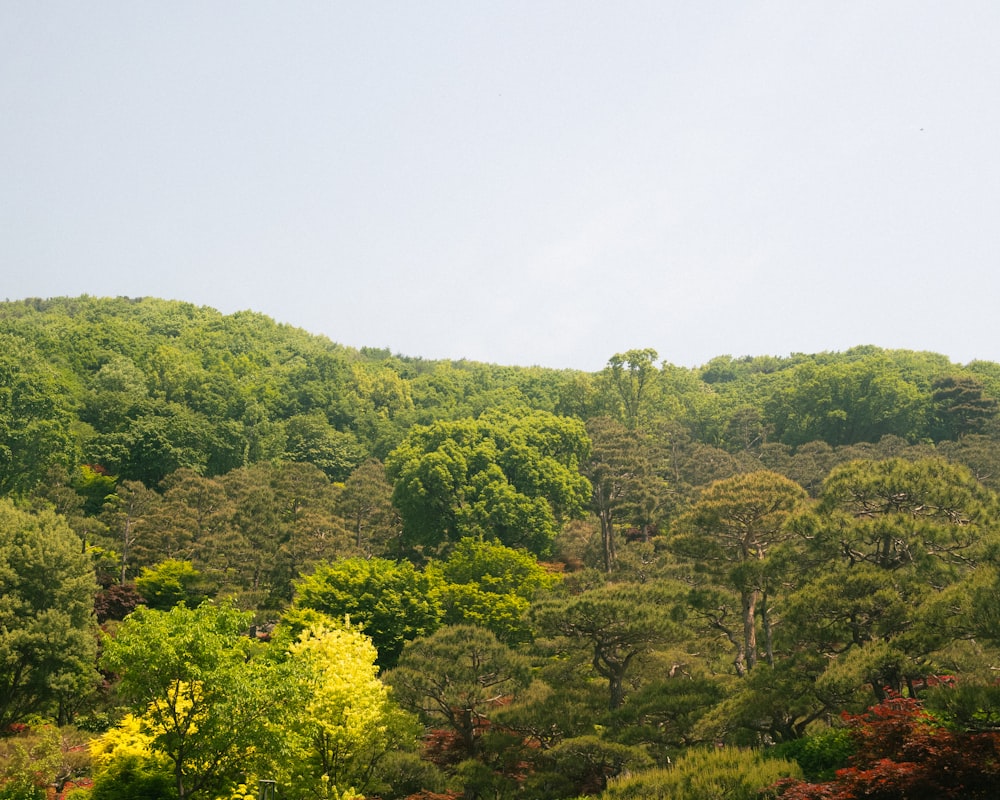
point(860, 399)
point(47, 632)
point(125, 514)
point(348, 724)
point(624, 486)
point(458, 675)
point(282, 522)
point(35, 417)
point(492, 586)
point(734, 524)
point(960, 407)
point(508, 475)
point(171, 582)
point(629, 374)
point(893, 513)
point(391, 601)
point(311, 438)
point(365, 503)
point(210, 703)
point(617, 624)
point(702, 774)
point(886, 539)
point(903, 752)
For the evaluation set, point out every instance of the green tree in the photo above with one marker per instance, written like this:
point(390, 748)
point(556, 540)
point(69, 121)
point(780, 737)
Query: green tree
point(458, 675)
point(893, 513)
point(391, 601)
point(630, 375)
point(734, 525)
point(312, 439)
point(125, 514)
point(702, 774)
point(625, 489)
point(508, 475)
point(883, 543)
point(211, 705)
point(35, 417)
point(282, 522)
point(960, 406)
point(171, 582)
point(365, 503)
point(618, 625)
point(47, 631)
point(492, 586)
point(845, 401)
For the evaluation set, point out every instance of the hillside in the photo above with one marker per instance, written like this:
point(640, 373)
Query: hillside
point(467, 579)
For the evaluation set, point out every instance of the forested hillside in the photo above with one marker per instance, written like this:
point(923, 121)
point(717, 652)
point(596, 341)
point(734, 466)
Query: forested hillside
point(233, 551)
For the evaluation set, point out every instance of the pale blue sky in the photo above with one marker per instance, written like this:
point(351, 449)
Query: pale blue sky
point(517, 182)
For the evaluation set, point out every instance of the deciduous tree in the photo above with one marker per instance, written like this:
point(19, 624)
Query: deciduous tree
point(47, 630)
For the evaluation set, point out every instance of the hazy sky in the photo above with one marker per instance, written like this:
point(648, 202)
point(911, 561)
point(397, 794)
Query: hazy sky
point(517, 182)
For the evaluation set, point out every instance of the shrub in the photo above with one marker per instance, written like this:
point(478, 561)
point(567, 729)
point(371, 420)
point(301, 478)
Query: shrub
point(732, 773)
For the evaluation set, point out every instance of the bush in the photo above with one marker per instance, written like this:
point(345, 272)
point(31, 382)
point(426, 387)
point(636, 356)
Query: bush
point(22, 788)
point(732, 773)
point(820, 755)
point(130, 778)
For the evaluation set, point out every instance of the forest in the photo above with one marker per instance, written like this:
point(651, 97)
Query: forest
point(239, 560)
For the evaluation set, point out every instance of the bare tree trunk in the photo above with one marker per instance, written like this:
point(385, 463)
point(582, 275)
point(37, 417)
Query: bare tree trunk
point(748, 601)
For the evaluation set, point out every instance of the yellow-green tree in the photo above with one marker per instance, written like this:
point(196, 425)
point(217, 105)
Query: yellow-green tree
point(348, 723)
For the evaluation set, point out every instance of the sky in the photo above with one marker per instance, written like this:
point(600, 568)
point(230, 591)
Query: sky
point(524, 183)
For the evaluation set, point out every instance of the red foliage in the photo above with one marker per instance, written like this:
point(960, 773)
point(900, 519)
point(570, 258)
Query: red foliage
point(116, 602)
point(444, 747)
point(903, 754)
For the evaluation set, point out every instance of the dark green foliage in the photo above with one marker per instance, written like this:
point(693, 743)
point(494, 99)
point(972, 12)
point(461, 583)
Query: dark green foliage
point(960, 407)
point(617, 625)
point(819, 755)
point(459, 676)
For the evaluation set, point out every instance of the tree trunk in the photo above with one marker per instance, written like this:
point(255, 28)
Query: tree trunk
point(765, 619)
point(748, 601)
point(608, 540)
point(617, 692)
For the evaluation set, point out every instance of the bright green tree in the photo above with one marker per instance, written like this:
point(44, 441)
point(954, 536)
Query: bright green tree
point(631, 374)
point(512, 476)
point(487, 584)
point(391, 601)
point(702, 774)
point(47, 629)
point(171, 582)
point(212, 705)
